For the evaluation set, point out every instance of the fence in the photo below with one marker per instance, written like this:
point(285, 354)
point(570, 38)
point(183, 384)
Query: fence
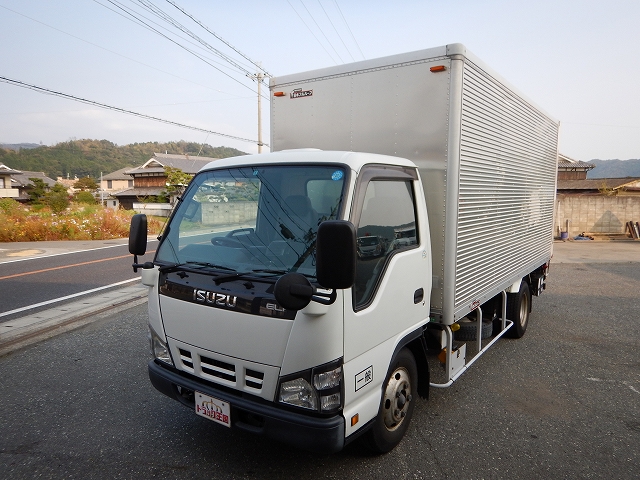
point(599, 214)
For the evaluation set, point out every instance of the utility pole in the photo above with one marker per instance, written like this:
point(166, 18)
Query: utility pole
point(258, 77)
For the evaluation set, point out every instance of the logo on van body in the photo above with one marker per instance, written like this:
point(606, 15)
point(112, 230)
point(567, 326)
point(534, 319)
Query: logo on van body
point(299, 93)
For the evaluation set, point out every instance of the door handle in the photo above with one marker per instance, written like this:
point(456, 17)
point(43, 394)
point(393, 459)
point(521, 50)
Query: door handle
point(418, 295)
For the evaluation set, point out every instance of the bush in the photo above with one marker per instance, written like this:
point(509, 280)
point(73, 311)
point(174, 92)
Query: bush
point(93, 222)
point(9, 206)
point(58, 198)
point(85, 197)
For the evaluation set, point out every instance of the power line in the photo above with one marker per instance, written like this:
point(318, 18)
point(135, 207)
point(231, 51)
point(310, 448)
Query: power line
point(120, 110)
point(115, 53)
point(336, 30)
point(170, 20)
point(314, 35)
point(321, 31)
point(256, 64)
point(349, 28)
point(139, 21)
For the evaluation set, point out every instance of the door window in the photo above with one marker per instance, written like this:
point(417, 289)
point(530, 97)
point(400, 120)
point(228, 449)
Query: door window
point(387, 225)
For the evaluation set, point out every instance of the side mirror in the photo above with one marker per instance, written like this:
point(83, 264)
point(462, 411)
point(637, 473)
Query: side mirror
point(336, 254)
point(138, 238)
point(294, 291)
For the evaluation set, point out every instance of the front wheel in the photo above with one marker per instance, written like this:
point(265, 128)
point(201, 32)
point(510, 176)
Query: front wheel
point(518, 308)
point(396, 406)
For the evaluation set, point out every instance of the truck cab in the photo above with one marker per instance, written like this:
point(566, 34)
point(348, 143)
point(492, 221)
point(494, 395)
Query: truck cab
point(251, 320)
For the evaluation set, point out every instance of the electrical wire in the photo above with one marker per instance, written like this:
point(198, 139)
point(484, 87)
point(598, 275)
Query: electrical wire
point(121, 110)
point(321, 31)
point(349, 28)
point(116, 53)
point(314, 35)
point(131, 16)
point(336, 30)
point(256, 64)
point(170, 20)
point(116, 4)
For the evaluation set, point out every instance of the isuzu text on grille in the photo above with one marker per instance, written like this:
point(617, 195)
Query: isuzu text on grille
point(213, 298)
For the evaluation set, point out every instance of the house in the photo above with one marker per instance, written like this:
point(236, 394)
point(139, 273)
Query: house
point(570, 169)
point(68, 184)
point(6, 190)
point(116, 181)
point(150, 179)
point(21, 183)
point(600, 206)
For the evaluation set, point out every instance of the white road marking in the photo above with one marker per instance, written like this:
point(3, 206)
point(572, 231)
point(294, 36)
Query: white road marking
point(593, 379)
point(79, 294)
point(69, 253)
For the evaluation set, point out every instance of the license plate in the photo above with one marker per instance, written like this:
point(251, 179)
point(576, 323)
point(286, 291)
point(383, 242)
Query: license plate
point(214, 409)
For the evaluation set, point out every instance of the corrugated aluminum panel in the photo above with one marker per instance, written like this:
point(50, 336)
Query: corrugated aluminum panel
point(507, 172)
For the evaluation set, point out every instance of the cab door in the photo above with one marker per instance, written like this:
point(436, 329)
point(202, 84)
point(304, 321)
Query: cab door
point(390, 296)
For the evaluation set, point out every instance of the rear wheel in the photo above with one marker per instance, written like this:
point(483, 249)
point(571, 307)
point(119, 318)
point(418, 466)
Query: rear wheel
point(518, 308)
point(396, 406)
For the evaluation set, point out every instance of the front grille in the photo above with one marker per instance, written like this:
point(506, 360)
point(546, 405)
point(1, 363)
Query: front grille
point(185, 358)
point(235, 373)
point(216, 368)
point(253, 379)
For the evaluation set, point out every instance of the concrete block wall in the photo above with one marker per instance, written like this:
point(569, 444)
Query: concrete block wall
point(596, 213)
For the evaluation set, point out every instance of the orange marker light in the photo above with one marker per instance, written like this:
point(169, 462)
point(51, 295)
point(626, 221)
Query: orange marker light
point(355, 419)
point(278, 94)
point(438, 68)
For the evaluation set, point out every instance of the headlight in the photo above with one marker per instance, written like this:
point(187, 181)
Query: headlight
point(317, 389)
point(159, 348)
point(329, 379)
point(298, 392)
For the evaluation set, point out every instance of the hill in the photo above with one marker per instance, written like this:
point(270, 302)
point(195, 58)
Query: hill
point(90, 157)
point(614, 168)
point(18, 146)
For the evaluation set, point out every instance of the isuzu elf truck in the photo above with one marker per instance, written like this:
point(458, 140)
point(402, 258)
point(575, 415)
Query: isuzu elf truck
point(399, 228)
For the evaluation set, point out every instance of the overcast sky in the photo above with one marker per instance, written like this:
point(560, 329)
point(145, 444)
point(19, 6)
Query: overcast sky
point(578, 60)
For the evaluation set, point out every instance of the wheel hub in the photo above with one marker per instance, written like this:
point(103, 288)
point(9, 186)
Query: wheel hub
point(397, 397)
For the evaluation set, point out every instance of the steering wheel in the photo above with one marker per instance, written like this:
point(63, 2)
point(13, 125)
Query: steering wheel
point(238, 232)
point(226, 242)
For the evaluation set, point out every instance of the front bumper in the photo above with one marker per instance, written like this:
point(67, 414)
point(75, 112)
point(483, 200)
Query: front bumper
point(318, 434)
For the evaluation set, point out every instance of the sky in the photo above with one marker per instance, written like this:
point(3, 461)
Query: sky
point(577, 60)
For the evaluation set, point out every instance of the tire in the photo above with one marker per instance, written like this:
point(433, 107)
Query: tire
point(518, 308)
point(396, 406)
point(469, 330)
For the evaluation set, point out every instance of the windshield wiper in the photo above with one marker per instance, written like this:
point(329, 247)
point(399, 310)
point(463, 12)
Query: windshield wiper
point(280, 272)
point(193, 266)
point(269, 270)
point(210, 265)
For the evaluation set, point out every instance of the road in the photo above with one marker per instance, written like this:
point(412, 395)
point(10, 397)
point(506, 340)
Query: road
point(562, 402)
point(30, 276)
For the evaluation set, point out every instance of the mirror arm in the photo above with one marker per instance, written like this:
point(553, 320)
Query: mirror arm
point(136, 265)
point(323, 297)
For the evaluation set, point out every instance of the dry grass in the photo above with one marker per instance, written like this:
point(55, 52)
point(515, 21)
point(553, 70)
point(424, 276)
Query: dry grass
point(20, 223)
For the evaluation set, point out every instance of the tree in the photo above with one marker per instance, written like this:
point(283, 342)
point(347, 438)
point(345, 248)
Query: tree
point(177, 181)
point(38, 190)
point(86, 184)
point(58, 198)
point(85, 197)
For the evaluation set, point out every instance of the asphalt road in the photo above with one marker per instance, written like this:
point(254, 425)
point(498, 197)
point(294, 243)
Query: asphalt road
point(562, 402)
point(31, 275)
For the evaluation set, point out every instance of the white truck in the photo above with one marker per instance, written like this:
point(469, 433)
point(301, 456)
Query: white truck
point(262, 314)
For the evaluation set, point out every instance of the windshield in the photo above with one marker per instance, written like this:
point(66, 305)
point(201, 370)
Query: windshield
point(253, 219)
